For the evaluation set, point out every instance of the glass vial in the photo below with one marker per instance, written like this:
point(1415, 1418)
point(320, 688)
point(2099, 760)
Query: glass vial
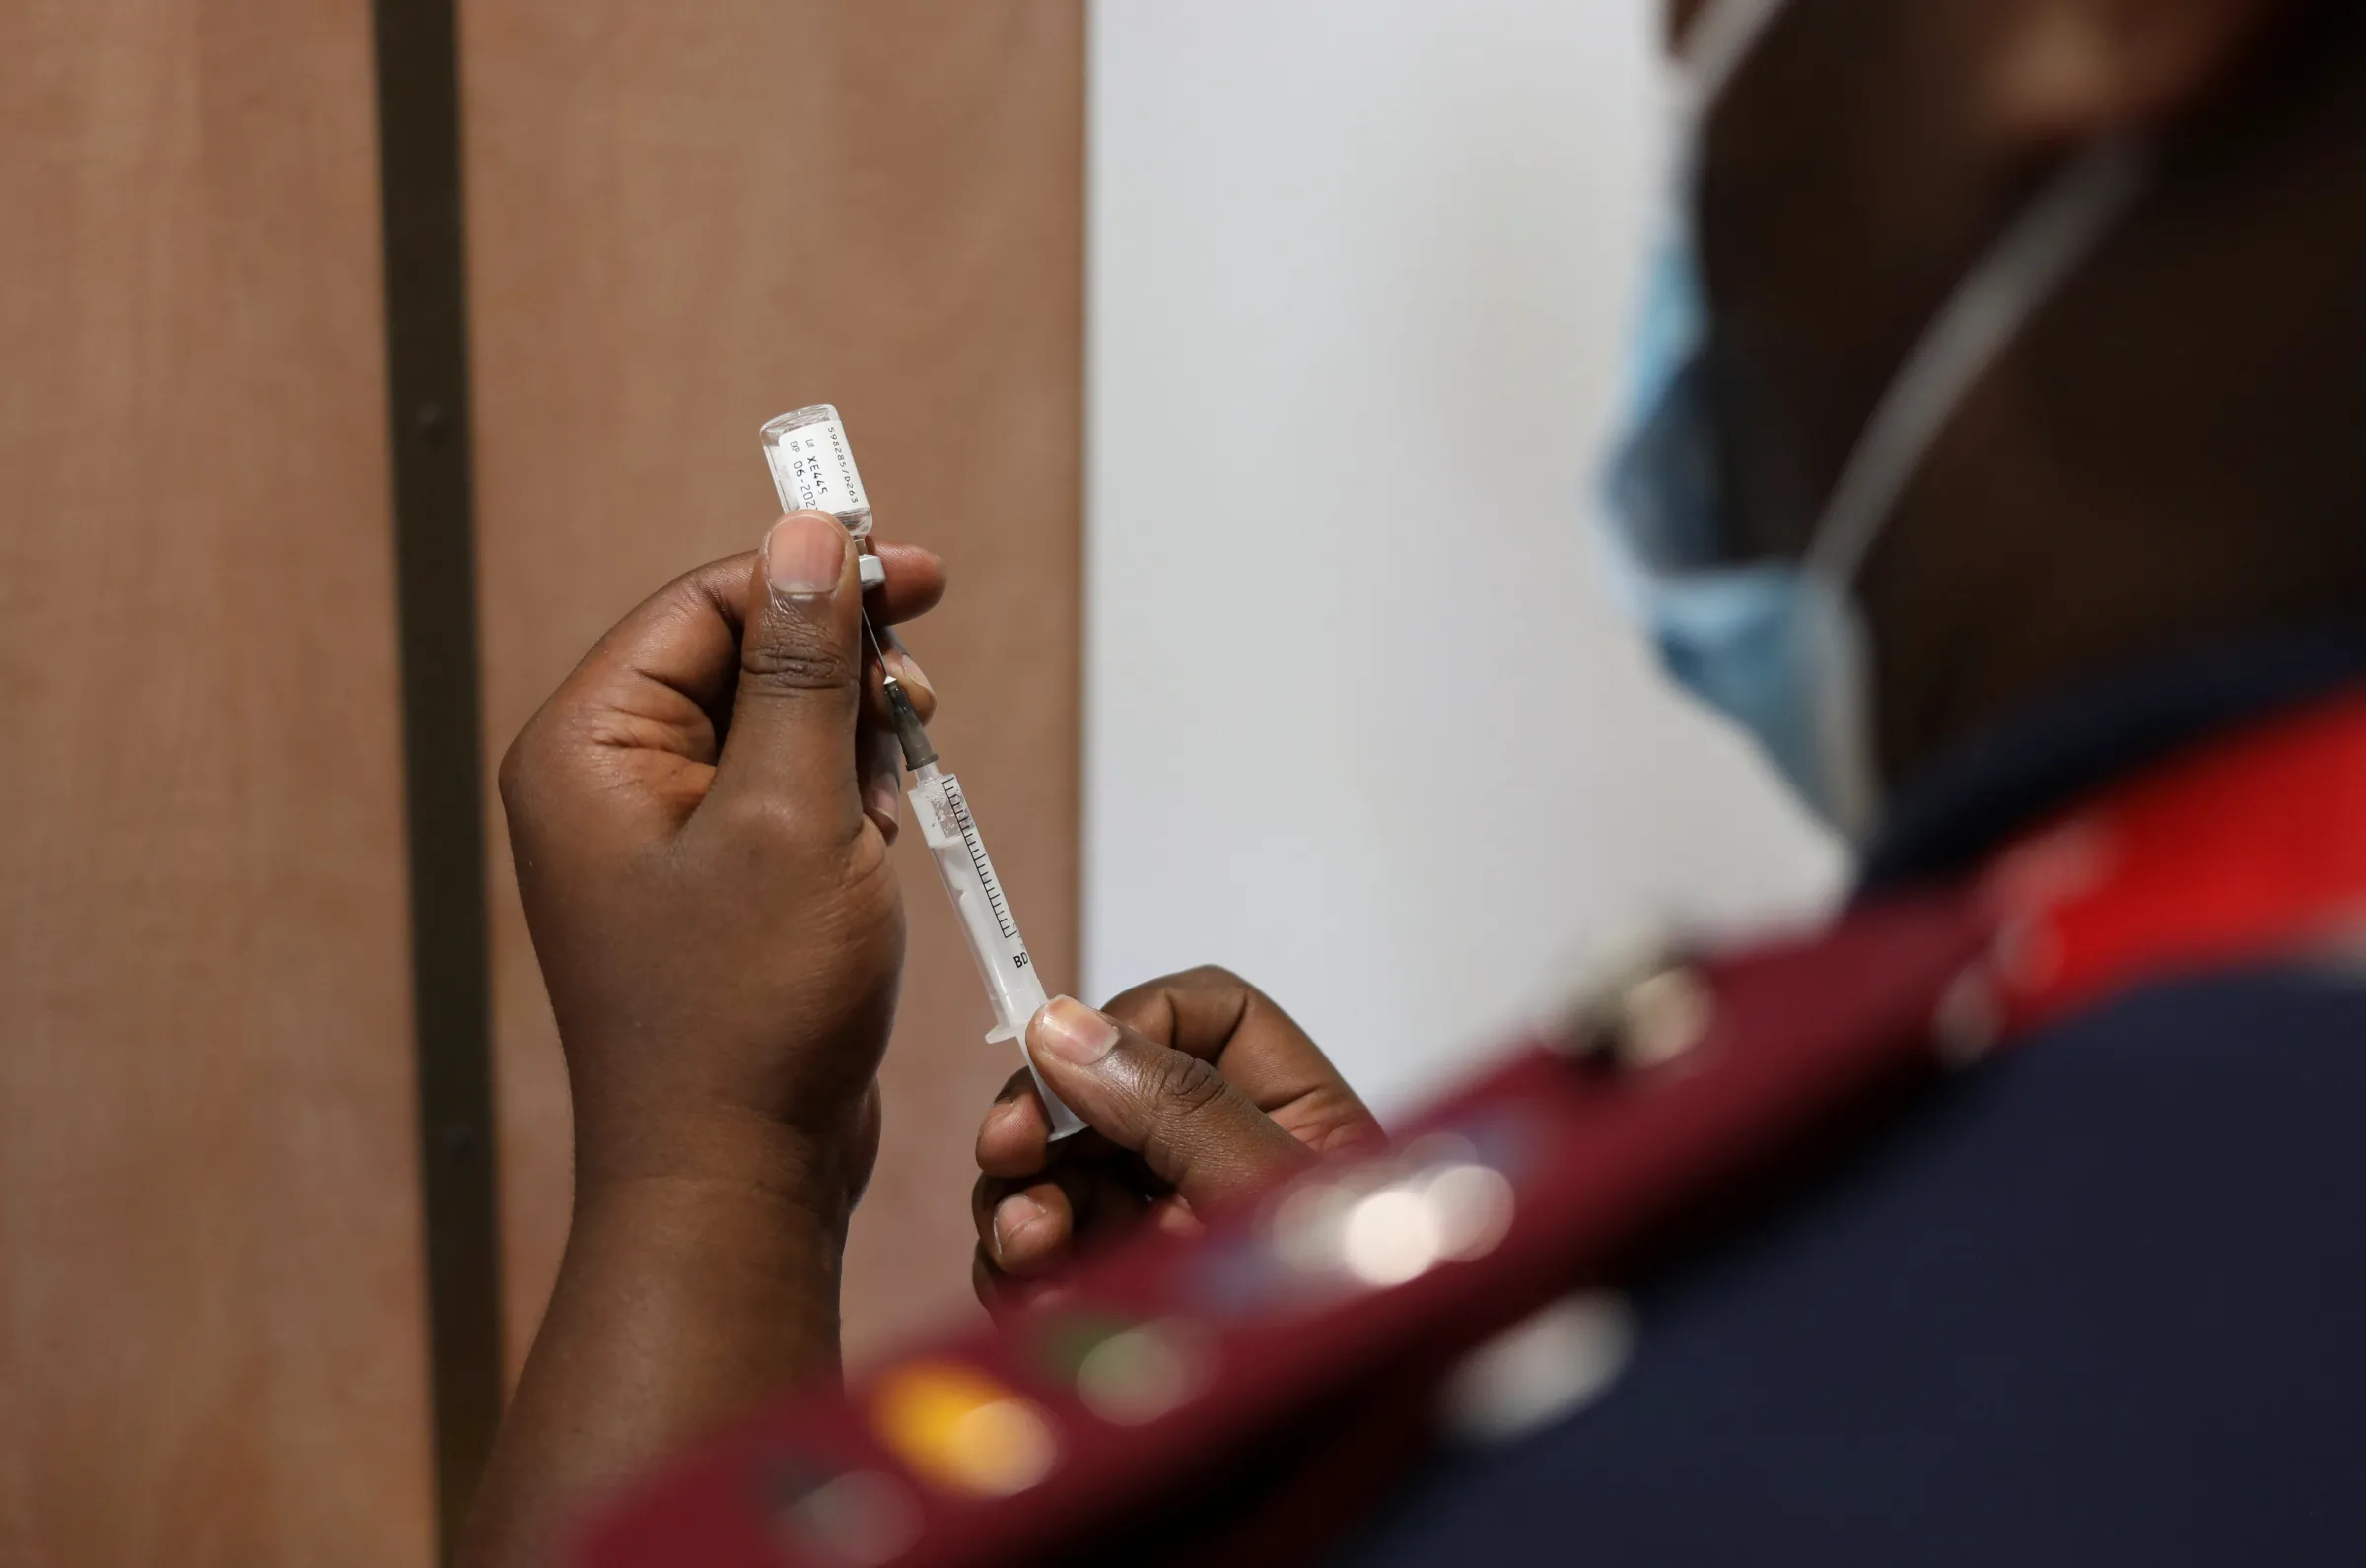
point(814, 467)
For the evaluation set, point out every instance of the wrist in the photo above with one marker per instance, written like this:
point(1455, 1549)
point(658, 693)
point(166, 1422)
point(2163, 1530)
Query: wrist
point(734, 1240)
point(731, 1157)
point(688, 1292)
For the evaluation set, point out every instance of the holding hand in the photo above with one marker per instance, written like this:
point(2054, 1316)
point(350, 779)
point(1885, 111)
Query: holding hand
point(701, 818)
point(1196, 1088)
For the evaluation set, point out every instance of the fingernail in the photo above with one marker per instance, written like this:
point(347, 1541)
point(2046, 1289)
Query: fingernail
point(998, 1115)
point(885, 801)
point(1176, 1220)
point(804, 555)
point(1073, 1032)
point(1012, 1215)
point(905, 669)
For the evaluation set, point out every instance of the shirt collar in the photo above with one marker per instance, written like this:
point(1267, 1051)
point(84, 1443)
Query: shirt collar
point(1959, 810)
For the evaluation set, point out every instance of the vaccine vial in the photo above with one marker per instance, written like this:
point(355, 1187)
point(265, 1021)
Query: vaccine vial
point(814, 467)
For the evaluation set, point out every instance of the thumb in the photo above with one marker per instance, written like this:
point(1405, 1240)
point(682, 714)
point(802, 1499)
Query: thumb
point(793, 722)
point(1192, 1128)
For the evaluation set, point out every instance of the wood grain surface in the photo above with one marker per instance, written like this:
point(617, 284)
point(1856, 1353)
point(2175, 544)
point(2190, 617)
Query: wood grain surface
point(682, 221)
point(211, 1339)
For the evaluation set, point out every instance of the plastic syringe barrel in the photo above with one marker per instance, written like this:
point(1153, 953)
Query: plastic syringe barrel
point(1011, 983)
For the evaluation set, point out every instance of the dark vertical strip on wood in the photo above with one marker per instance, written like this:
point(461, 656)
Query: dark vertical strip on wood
point(427, 353)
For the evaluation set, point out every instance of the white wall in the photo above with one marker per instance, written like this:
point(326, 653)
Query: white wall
point(1359, 722)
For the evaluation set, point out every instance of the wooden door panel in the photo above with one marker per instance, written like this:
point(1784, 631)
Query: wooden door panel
point(213, 1347)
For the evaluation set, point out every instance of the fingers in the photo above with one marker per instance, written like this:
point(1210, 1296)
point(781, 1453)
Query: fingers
point(629, 739)
point(685, 638)
point(644, 708)
point(1014, 1139)
point(882, 782)
point(915, 583)
point(1211, 1013)
point(791, 742)
point(1029, 1228)
point(1196, 1133)
point(1026, 1229)
point(908, 673)
point(683, 642)
point(1004, 1296)
point(1214, 1014)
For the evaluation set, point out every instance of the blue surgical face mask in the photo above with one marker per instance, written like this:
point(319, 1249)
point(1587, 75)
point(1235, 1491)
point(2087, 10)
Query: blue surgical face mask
point(1778, 646)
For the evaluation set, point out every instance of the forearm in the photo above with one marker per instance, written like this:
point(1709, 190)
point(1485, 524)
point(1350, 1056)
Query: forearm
point(680, 1302)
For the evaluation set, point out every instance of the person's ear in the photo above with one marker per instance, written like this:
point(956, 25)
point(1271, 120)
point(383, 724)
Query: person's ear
point(2080, 70)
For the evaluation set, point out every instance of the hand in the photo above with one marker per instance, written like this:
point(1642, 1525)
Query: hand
point(700, 818)
point(1197, 1090)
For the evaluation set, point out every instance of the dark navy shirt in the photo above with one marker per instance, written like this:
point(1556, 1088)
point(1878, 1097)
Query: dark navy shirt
point(2103, 1301)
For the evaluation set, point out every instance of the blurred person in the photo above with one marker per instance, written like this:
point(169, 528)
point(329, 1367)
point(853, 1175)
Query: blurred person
point(1993, 466)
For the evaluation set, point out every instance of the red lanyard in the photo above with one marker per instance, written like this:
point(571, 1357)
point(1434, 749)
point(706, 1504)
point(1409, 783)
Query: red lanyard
point(2248, 849)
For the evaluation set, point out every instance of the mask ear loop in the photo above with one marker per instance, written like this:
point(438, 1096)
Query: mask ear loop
point(1721, 39)
point(2053, 235)
point(2058, 232)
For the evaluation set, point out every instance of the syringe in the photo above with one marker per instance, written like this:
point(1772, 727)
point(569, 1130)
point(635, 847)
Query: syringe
point(951, 835)
point(813, 466)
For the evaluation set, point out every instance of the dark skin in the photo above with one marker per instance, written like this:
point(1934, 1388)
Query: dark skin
point(1208, 1091)
point(2103, 497)
point(2164, 460)
point(701, 818)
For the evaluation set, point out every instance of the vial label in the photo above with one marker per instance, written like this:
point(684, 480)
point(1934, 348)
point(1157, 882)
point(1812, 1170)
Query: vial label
point(813, 468)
